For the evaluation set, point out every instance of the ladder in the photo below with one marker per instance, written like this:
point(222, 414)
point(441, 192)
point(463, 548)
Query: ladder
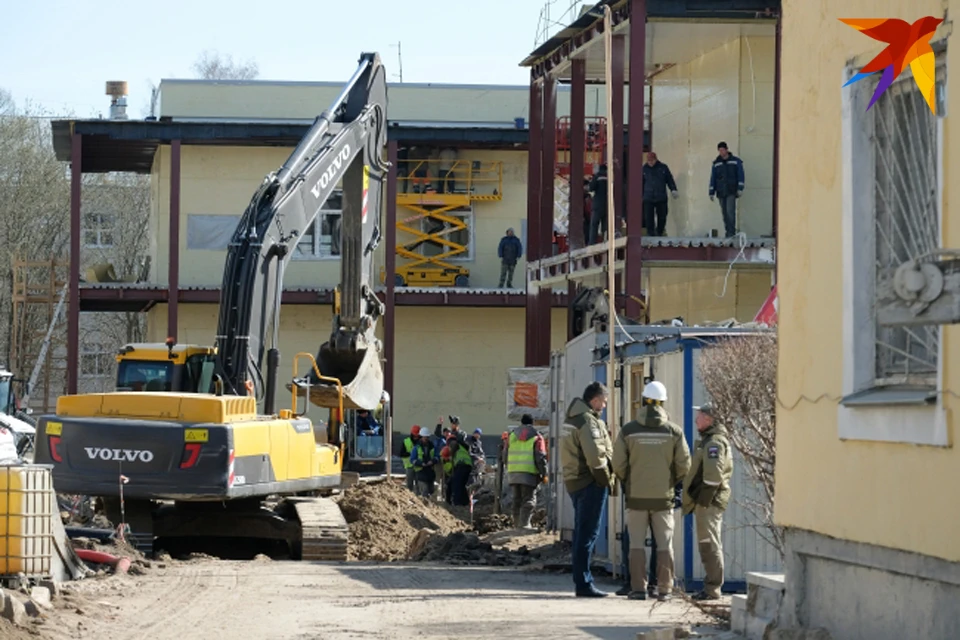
point(44, 346)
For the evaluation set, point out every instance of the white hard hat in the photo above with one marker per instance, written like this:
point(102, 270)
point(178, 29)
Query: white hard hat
point(655, 391)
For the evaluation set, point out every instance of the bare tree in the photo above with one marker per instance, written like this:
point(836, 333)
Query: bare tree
point(34, 202)
point(211, 65)
point(740, 376)
point(34, 223)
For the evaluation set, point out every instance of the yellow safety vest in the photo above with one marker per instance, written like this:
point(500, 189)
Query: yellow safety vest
point(520, 455)
point(407, 450)
point(462, 456)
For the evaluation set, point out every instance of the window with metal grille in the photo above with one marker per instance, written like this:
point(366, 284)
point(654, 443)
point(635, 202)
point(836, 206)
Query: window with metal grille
point(906, 154)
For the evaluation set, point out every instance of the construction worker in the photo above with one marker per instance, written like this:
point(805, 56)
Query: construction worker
point(586, 457)
point(447, 467)
point(706, 492)
point(526, 469)
point(423, 458)
point(462, 468)
point(405, 449)
point(649, 457)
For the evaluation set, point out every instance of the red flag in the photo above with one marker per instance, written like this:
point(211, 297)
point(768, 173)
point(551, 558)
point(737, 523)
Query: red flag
point(768, 311)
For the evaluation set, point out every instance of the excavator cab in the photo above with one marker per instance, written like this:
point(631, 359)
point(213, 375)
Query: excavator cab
point(166, 367)
point(368, 453)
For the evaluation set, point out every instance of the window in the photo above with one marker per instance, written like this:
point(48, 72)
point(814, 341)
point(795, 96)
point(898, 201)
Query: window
point(455, 226)
point(98, 230)
point(210, 232)
point(322, 239)
point(96, 359)
point(892, 163)
point(906, 223)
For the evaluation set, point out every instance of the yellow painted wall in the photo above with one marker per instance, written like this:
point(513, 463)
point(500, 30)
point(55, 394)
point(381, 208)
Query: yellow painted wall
point(448, 360)
point(699, 103)
point(707, 294)
point(893, 495)
point(221, 181)
point(412, 102)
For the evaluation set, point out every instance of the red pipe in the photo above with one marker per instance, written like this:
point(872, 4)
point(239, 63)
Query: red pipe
point(119, 564)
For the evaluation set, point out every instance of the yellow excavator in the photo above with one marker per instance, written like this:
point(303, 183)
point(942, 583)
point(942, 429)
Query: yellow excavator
point(180, 449)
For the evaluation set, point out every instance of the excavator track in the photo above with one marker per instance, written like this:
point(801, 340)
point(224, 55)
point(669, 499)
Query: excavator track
point(324, 530)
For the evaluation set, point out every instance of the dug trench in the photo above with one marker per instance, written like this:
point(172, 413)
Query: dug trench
point(387, 523)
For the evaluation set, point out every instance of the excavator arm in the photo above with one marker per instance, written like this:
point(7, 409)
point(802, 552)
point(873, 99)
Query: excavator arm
point(344, 146)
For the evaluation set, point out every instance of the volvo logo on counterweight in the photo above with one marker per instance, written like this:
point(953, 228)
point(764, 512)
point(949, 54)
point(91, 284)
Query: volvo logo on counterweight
point(331, 172)
point(119, 455)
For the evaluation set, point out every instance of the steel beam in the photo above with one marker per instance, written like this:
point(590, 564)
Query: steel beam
point(618, 68)
point(778, 53)
point(634, 258)
point(534, 185)
point(390, 266)
point(73, 312)
point(173, 265)
point(578, 112)
point(120, 298)
point(548, 169)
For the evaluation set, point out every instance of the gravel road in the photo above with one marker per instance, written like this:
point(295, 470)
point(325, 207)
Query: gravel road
point(300, 601)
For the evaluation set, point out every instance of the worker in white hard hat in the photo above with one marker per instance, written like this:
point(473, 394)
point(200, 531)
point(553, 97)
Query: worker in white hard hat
point(650, 457)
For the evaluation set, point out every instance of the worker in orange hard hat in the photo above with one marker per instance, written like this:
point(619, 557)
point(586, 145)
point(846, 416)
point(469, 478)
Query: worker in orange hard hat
point(403, 449)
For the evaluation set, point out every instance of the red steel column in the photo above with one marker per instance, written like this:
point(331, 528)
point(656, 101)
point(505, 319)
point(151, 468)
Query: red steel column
point(173, 273)
point(578, 93)
point(618, 63)
point(390, 265)
point(73, 317)
point(548, 170)
point(633, 269)
point(533, 216)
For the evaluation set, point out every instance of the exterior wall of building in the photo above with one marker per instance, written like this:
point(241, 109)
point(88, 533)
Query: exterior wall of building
point(409, 102)
point(872, 552)
point(219, 181)
point(707, 294)
point(725, 94)
point(448, 360)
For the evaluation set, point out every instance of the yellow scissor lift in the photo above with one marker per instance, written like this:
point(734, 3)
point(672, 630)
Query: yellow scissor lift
point(433, 190)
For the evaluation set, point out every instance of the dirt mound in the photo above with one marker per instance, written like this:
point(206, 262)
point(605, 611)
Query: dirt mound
point(384, 518)
point(506, 548)
point(466, 548)
point(492, 522)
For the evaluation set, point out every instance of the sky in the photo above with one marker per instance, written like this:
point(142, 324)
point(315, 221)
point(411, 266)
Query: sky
point(320, 40)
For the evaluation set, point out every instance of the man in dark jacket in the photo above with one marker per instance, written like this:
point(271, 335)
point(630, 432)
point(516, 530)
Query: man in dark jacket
point(586, 456)
point(509, 252)
point(656, 180)
point(726, 184)
point(598, 206)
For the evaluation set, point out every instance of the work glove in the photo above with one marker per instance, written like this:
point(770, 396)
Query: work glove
point(739, 193)
point(711, 197)
point(675, 195)
point(705, 496)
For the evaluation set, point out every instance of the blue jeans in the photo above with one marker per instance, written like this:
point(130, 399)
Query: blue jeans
point(587, 510)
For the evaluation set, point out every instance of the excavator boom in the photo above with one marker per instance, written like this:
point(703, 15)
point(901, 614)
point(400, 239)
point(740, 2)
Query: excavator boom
point(344, 146)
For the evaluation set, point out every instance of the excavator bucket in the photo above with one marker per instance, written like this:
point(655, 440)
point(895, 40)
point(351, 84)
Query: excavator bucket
point(360, 373)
